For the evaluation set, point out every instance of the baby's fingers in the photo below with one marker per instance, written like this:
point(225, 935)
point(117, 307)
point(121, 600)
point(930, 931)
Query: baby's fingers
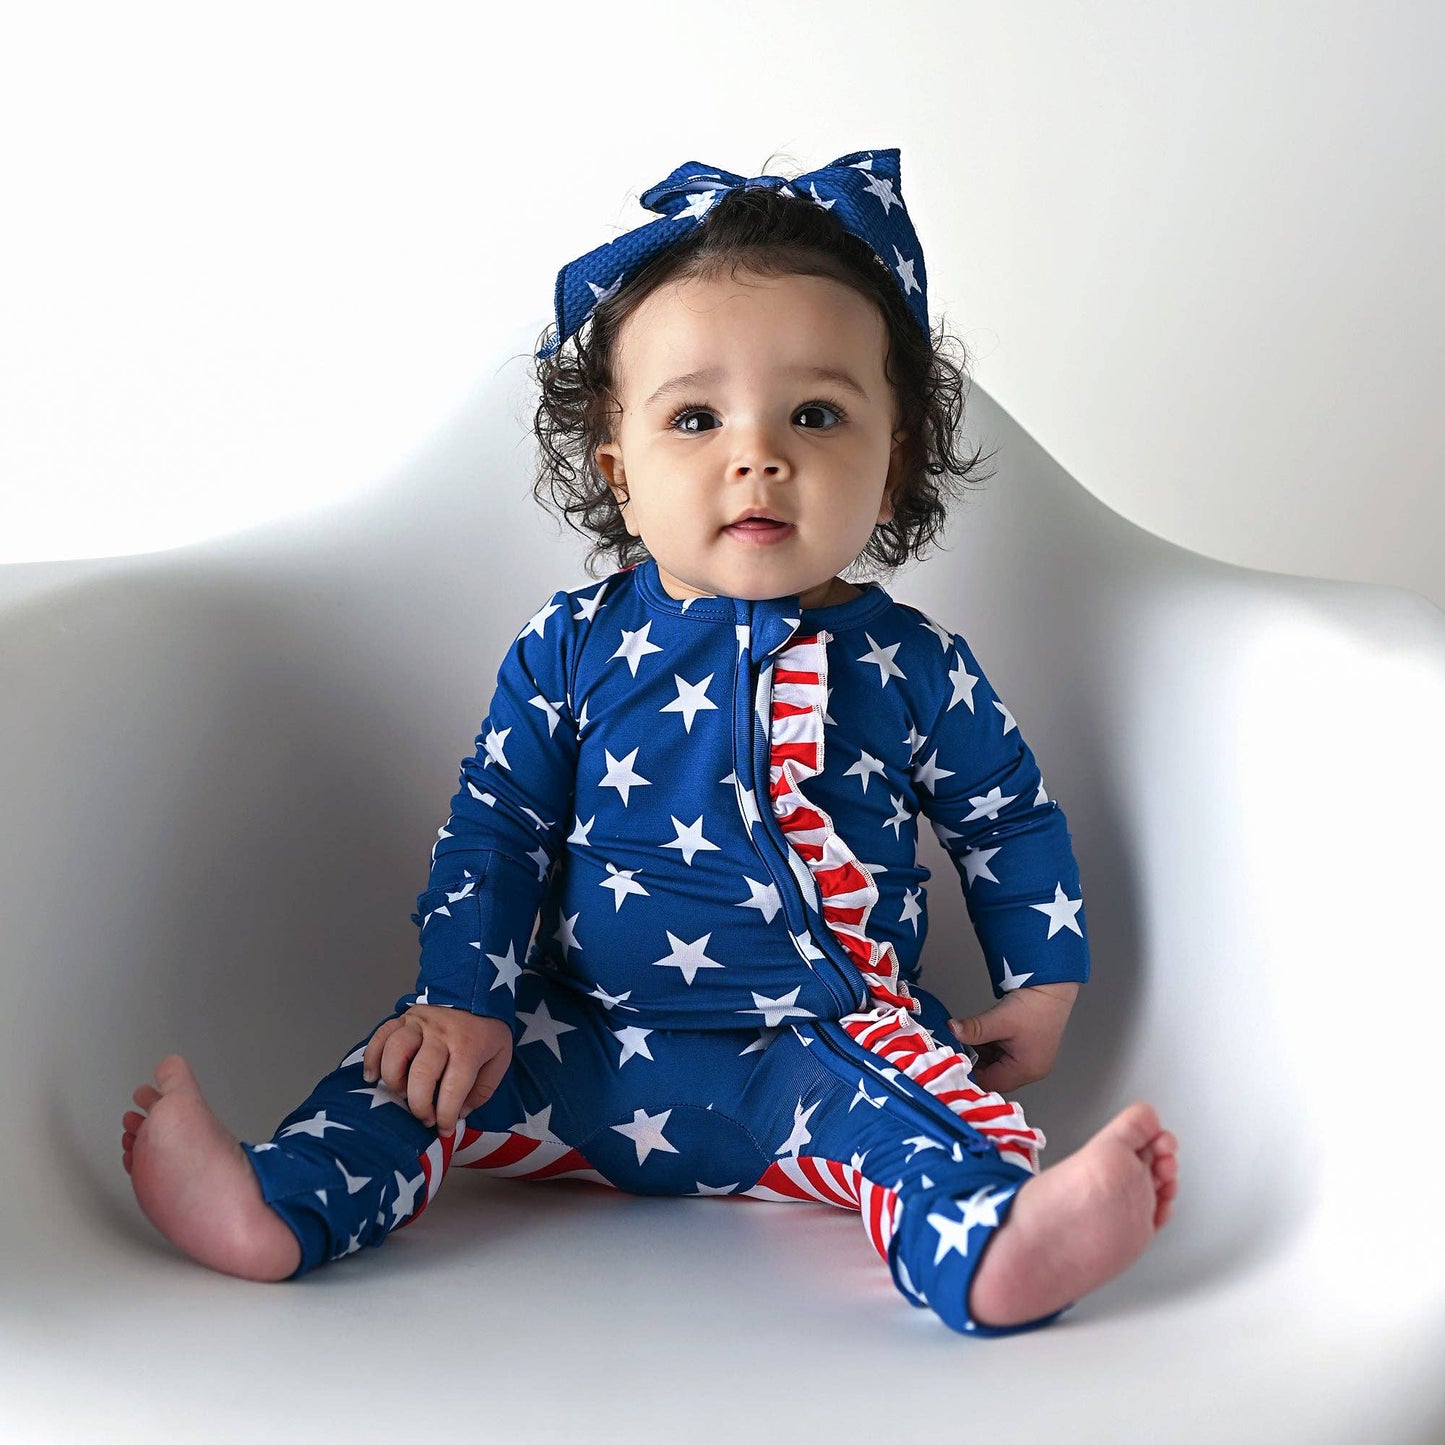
point(421, 1082)
point(452, 1095)
point(371, 1059)
point(396, 1057)
point(488, 1081)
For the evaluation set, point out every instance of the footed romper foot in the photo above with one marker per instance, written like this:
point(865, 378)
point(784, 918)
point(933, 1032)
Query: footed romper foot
point(1080, 1222)
point(194, 1183)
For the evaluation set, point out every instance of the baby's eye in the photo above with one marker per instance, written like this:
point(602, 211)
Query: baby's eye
point(683, 420)
point(818, 407)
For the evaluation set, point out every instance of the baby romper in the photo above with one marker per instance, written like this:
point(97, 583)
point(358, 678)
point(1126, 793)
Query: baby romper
point(682, 867)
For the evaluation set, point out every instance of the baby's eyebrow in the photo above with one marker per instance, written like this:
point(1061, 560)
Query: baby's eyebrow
point(712, 373)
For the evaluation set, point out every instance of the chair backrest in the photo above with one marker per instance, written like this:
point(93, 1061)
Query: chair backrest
point(225, 765)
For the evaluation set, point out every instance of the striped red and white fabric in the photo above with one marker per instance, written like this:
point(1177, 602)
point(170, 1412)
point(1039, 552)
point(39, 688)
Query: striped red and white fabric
point(948, 1076)
point(800, 681)
point(809, 1177)
point(845, 885)
point(514, 1155)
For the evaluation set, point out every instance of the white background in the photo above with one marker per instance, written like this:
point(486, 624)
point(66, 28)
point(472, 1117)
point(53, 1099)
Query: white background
point(253, 258)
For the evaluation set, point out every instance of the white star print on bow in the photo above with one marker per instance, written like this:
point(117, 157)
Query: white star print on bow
point(905, 271)
point(882, 187)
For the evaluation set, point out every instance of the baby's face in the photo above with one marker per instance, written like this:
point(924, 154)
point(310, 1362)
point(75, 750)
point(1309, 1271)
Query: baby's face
point(725, 413)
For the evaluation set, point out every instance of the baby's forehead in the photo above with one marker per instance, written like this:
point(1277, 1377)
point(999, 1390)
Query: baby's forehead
point(776, 326)
point(705, 292)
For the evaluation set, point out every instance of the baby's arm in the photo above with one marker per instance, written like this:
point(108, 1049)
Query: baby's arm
point(1009, 842)
point(506, 829)
point(488, 876)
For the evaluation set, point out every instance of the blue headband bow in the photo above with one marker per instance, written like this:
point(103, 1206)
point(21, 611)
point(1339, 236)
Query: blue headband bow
point(862, 189)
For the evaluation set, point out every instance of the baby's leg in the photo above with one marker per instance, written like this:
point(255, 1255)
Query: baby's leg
point(352, 1164)
point(346, 1168)
point(937, 1167)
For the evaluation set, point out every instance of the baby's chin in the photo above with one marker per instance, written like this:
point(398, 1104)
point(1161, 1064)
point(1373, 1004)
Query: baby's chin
point(747, 583)
point(744, 591)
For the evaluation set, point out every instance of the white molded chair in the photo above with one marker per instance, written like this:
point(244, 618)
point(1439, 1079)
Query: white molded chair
point(222, 769)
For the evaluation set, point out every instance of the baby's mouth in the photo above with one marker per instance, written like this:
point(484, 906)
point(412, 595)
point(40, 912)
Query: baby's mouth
point(759, 531)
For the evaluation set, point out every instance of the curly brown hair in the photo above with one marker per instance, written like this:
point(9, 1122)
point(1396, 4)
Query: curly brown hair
point(757, 231)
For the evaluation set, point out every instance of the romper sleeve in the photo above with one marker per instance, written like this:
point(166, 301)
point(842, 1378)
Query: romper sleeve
point(507, 827)
point(979, 786)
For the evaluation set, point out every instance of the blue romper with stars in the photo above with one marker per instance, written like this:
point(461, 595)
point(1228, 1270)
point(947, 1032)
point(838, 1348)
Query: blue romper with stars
point(681, 866)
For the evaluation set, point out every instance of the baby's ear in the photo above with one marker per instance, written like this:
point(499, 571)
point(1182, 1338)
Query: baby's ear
point(609, 463)
point(890, 493)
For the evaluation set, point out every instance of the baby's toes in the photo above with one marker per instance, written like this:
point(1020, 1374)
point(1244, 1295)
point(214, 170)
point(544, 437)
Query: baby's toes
point(146, 1096)
point(131, 1120)
point(1163, 1213)
point(1166, 1187)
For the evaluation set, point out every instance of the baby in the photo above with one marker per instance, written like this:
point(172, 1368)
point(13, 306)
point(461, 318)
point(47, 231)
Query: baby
point(671, 936)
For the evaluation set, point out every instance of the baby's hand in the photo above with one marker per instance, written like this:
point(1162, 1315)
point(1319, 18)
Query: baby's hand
point(1019, 1035)
point(467, 1053)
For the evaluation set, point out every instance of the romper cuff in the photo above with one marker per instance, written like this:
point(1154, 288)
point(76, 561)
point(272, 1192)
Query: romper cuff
point(474, 936)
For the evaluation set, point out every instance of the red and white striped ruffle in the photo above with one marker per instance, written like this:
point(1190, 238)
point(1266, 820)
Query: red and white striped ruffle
point(848, 892)
point(947, 1075)
point(846, 887)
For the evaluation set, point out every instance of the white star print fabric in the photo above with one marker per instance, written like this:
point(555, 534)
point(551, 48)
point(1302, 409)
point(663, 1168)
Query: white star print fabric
point(710, 811)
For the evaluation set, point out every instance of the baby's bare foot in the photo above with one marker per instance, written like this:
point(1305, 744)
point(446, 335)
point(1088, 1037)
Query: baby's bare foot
point(195, 1185)
point(1080, 1222)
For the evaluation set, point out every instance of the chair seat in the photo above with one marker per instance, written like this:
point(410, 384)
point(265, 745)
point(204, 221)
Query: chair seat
point(223, 770)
